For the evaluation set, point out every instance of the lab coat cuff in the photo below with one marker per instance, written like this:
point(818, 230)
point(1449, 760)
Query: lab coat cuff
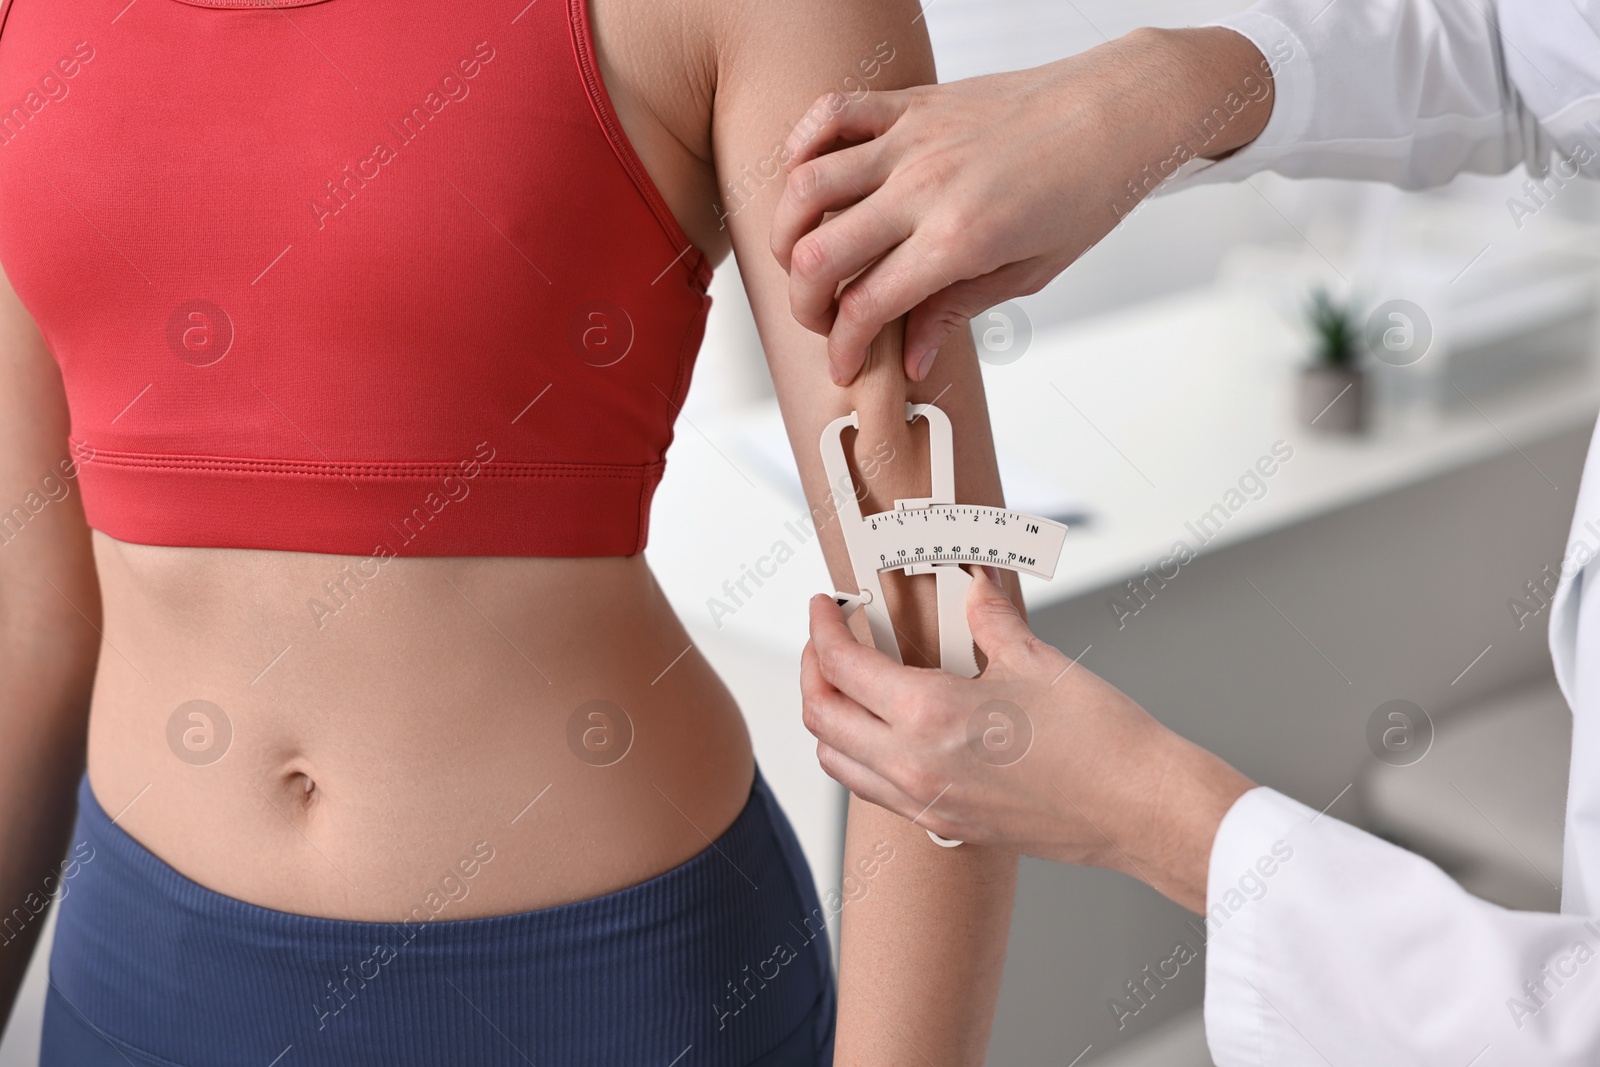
point(1294, 81)
point(1252, 843)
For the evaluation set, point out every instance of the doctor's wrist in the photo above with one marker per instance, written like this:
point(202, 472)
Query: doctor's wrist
point(1188, 793)
point(1215, 90)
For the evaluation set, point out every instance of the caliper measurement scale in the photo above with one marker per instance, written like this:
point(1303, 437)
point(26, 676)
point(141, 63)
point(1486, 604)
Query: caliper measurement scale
point(931, 535)
point(961, 533)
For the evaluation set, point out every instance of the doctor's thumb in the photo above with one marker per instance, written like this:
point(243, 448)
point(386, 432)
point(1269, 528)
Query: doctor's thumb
point(996, 624)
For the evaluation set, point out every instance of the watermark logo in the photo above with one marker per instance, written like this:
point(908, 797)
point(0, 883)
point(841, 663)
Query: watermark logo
point(55, 886)
point(339, 993)
point(601, 333)
point(1251, 486)
point(1399, 733)
point(1002, 334)
point(740, 190)
point(16, 117)
point(737, 592)
point(1250, 887)
point(452, 489)
point(1540, 591)
point(1195, 141)
point(599, 733)
point(1541, 191)
point(340, 192)
point(1398, 333)
point(51, 490)
point(199, 332)
point(999, 733)
point(347, 586)
point(749, 984)
point(1546, 985)
point(199, 732)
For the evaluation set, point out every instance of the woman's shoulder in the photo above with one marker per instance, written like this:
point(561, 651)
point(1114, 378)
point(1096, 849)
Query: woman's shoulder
point(708, 90)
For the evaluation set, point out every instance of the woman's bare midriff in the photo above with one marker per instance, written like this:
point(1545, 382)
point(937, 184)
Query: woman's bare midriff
point(440, 738)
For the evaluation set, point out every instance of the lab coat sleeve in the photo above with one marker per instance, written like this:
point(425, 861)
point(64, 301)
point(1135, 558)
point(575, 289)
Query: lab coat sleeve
point(1414, 92)
point(1326, 945)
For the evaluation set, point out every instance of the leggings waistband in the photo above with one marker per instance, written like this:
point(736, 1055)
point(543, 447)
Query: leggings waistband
point(718, 960)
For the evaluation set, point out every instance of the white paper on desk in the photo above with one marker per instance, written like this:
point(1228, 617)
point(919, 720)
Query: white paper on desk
point(764, 444)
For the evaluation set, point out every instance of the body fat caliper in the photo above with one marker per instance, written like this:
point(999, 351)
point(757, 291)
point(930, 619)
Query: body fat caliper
point(931, 535)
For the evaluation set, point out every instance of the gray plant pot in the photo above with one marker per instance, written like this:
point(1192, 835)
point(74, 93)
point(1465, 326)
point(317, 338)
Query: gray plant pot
point(1333, 399)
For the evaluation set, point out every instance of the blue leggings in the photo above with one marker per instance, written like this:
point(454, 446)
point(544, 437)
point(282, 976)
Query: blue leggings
point(720, 962)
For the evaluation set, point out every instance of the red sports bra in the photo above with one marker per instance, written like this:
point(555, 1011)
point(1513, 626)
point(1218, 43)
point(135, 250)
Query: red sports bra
point(349, 276)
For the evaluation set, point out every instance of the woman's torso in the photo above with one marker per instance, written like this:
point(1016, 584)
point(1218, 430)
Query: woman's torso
point(333, 734)
point(447, 703)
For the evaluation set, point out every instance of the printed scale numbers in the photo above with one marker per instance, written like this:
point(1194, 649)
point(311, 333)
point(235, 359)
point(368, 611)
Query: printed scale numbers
point(931, 535)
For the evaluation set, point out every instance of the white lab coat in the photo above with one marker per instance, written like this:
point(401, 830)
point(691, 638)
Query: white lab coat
point(1327, 945)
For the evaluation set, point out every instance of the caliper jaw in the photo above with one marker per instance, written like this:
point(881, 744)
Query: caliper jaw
point(955, 636)
point(849, 603)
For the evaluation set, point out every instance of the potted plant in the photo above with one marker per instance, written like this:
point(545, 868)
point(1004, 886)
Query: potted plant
point(1332, 388)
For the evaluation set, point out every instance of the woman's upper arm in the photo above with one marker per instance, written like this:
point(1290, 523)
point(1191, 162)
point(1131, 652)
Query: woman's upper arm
point(774, 62)
point(49, 598)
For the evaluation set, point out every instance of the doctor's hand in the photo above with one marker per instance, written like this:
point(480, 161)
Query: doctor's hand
point(1036, 755)
point(952, 198)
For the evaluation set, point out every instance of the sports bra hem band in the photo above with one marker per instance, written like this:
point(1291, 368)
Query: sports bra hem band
point(87, 454)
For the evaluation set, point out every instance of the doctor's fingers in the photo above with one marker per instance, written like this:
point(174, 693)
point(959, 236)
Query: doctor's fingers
point(831, 183)
point(863, 674)
point(836, 118)
point(836, 720)
point(873, 237)
point(865, 782)
point(898, 282)
point(1002, 634)
point(952, 308)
